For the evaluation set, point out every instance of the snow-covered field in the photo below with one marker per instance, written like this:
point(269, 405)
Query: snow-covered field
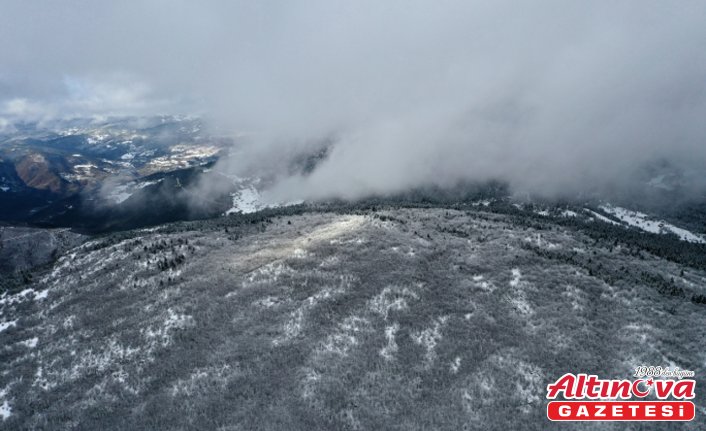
point(247, 198)
point(648, 224)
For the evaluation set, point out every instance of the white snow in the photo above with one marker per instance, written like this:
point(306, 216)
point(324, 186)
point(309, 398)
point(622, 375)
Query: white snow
point(246, 200)
point(31, 343)
point(519, 301)
point(344, 339)
point(5, 325)
point(521, 305)
point(300, 253)
point(6, 299)
point(602, 217)
point(182, 156)
point(516, 277)
point(268, 273)
point(149, 183)
point(172, 322)
point(389, 350)
point(5, 409)
point(96, 137)
point(295, 324)
point(268, 302)
point(392, 298)
point(479, 281)
point(429, 338)
point(539, 242)
point(484, 203)
point(455, 365)
point(203, 380)
point(642, 221)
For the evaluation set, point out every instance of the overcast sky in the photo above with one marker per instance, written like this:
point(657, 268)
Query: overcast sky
point(551, 95)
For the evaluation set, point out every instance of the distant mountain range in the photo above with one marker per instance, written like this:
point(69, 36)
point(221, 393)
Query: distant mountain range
point(122, 173)
point(50, 172)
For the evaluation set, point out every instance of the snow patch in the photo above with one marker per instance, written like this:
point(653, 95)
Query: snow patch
point(269, 273)
point(144, 184)
point(329, 261)
point(388, 352)
point(576, 296)
point(300, 253)
point(484, 203)
point(642, 221)
point(5, 325)
point(268, 302)
point(309, 383)
point(205, 380)
point(519, 301)
point(172, 322)
point(248, 200)
point(602, 217)
point(539, 242)
point(480, 282)
point(295, 324)
point(516, 277)
point(6, 299)
point(5, 409)
point(429, 338)
point(392, 298)
point(31, 343)
point(455, 365)
point(344, 339)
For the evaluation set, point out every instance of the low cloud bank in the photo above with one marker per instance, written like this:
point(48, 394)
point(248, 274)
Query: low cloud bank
point(554, 97)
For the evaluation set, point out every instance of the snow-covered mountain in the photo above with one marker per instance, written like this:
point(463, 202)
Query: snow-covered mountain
point(49, 170)
point(344, 318)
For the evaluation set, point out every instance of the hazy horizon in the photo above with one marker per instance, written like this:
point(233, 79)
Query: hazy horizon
point(553, 96)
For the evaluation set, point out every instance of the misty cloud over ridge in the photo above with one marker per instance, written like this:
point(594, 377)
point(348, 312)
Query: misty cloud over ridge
point(552, 96)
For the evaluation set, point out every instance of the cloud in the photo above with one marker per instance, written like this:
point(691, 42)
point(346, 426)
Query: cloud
point(555, 96)
point(115, 95)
